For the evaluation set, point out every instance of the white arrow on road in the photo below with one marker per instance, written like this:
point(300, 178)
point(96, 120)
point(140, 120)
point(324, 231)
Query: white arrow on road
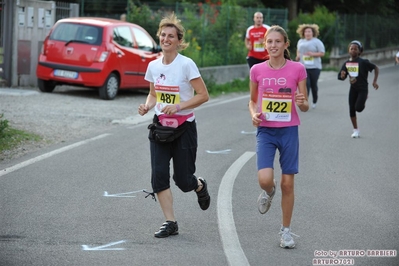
point(122, 195)
point(104, 247)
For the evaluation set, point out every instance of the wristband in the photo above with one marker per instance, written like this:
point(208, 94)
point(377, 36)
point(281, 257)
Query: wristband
point(177, 107)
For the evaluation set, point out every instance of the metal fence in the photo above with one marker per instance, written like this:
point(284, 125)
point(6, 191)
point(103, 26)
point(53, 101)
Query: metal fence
point(374, 32)
point(216, 32)
point(66, 10)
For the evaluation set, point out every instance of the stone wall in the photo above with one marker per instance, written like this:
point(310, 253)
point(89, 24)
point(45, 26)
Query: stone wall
point(224, 74)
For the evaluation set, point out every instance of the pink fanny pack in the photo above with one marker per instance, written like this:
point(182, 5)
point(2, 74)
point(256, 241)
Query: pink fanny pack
point(173, 120)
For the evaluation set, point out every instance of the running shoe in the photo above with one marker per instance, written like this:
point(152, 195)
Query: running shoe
point(286, 240)
point(204, 200)
point(265, 201)
point(168, 228)
point(313, 106)
point(355, 134)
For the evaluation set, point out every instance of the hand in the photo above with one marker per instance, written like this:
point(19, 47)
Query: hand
point(249, 46)
point(256, 119)
point(170, 109)
point(375, 85)
point(352, 80)
point(300, 99)
point(143, 109)
point(343, 74)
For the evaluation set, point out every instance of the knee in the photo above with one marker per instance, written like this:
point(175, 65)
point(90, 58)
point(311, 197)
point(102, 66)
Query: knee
point(265, 177)
point(287, 187)
point(266, 183)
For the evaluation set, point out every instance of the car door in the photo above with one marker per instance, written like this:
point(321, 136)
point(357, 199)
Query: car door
point(147, 49)
point(129, 60)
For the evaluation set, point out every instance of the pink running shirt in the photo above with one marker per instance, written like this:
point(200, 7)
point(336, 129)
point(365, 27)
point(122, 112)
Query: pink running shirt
point(276, 92)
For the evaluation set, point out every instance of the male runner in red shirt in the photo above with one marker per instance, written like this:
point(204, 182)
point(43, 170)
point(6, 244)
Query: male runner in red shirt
point(254, 41)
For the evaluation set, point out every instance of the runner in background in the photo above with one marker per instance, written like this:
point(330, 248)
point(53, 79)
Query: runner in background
point(310, 50)
point(357, 69)
point(254, 41)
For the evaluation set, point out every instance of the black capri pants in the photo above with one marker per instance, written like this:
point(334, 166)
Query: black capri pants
point(357, 100)
point(183, 151)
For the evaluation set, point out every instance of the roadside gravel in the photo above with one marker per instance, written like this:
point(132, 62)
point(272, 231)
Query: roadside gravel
point(65, 114)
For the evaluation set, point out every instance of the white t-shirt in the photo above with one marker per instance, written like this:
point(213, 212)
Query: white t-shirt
point(313, 45)
point(172, 82)
point(397, 55)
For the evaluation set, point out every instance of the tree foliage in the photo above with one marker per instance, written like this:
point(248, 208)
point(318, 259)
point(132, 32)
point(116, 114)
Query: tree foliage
point(371, 7)
point(382, 8)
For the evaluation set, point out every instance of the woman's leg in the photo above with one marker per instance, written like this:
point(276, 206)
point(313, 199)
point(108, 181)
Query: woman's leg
point(314, 77)
point(165, 199)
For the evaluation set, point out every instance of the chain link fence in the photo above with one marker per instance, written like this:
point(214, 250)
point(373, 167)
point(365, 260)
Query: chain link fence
point(216, 32)
point(375, 32)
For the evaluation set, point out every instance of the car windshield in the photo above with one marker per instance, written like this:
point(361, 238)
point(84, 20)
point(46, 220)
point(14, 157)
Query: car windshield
point(72, 32)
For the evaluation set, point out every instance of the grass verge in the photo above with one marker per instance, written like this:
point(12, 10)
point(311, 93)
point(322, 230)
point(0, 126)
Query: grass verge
point(237, 85)
point(11, 138)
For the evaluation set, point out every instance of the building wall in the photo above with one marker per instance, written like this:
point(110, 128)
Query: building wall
point(32, 21)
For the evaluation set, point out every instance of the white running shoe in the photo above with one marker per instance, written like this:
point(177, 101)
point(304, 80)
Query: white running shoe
point(265, 200)
point(355, 134)
point(286, 240)
point(313, 106)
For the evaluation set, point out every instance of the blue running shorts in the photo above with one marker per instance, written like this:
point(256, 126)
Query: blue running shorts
point(286, 140)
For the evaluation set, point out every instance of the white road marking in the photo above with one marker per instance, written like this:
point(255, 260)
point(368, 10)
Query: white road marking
point(122, 195)
point(227, 229)
point(49, 154)
point(104, 247)
point(248, 132)
point(219, 152)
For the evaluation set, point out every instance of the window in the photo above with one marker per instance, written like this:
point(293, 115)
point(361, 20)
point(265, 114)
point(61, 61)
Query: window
point(143, 41)
point(77, 32)
point(123, 36)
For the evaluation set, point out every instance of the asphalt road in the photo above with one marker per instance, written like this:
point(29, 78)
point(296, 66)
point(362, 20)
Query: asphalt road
point(80, 202)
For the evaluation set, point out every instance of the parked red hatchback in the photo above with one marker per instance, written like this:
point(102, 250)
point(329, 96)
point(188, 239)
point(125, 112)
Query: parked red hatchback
point(100, 53)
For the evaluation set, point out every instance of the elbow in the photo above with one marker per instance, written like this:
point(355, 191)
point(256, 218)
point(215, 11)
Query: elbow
point(205, 98)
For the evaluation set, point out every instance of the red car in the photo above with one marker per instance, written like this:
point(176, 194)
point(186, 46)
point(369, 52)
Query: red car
point(100, 53)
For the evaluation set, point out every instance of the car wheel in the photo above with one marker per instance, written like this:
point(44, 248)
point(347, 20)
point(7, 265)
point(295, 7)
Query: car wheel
point(110, 88)
point(45, 85)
